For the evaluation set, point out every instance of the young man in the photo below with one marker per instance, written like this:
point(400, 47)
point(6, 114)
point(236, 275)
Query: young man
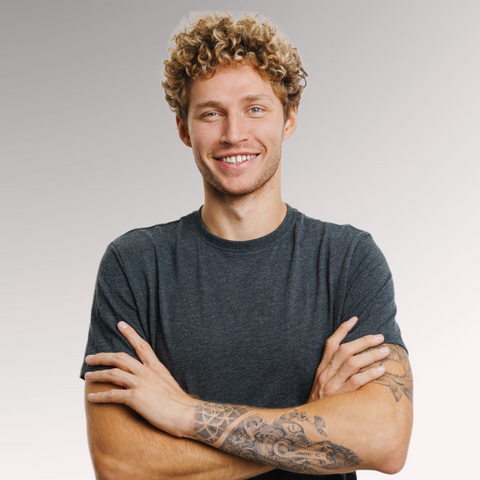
point(222, 318)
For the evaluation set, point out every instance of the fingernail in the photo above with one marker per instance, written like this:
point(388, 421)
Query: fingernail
point(378, 337)
point(122, 325)
point(381, 369)
point(91, 396)
point(384, 350)
point(88, 358)
point(87, 375)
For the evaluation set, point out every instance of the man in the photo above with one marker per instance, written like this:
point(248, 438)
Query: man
point(222, 318)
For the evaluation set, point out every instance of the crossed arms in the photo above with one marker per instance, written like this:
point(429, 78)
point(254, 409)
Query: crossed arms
point(358, 416)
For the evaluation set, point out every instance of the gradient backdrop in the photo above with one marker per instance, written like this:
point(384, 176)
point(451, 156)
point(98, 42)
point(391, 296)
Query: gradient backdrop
point(388, 140)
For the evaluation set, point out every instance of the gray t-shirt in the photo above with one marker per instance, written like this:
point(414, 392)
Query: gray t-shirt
point(242, 322)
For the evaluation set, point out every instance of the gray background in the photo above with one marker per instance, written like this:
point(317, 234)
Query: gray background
point(388, 140)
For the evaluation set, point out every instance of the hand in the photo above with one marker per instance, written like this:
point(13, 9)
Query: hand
point(149, 388)
point(338, 370)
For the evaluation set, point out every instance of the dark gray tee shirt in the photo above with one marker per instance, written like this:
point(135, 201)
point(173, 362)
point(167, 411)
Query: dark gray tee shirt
point(242, 322)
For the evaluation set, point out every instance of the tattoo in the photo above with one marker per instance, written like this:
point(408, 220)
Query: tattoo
point(282, 444)
point(212, 419)
point(398, 383)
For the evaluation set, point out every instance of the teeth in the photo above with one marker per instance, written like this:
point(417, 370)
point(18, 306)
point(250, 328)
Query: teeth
point(238, 159)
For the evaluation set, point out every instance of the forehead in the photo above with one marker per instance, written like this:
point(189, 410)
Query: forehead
point(231, 84)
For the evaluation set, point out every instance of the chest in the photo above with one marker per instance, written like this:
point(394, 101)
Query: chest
point(244, 329)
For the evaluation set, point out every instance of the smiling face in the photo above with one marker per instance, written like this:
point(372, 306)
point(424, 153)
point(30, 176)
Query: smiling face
point(236, 127)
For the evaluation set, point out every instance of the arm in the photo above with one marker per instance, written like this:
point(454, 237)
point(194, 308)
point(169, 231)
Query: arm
point(123, 445)
point(155, 453)
point(366, 429)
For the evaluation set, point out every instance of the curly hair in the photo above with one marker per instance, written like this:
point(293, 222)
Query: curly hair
point(218, 40)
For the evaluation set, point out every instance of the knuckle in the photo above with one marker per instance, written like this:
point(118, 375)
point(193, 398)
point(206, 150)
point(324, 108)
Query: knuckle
point(343, 349)
point(132, 396)
point(352, 362)
point(323, 377)
point(330, 344)
point(324, 393)
point(355, 381)
point(120, 356)
point(110, 395)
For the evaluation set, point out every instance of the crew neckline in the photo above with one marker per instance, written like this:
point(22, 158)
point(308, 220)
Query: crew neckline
point(242, 246)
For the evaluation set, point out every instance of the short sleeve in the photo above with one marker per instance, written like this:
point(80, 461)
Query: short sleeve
point(367, 292)
point(113, 302)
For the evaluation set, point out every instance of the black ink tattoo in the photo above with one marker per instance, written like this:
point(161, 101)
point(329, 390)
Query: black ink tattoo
point(212, 419)
point(282, 444)
point(398, 383)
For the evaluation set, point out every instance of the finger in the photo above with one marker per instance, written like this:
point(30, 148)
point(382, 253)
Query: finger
point(333, 342)
point(355, 363)
point(142, 349)
point(373, 355)
point(347, 350)
point(120, 360)
point(360, 379)
point(110, 396)
point(113, 375)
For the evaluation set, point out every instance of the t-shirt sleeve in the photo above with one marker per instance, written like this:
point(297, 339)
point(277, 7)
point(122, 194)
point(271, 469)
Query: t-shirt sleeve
point(366, 291)
point(113, 302)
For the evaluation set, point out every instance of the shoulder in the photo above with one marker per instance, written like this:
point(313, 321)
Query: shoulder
point(141, 240)
point(332, 235)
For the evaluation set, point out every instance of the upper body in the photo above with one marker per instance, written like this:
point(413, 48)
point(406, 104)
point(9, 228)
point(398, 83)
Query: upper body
point(235, 117)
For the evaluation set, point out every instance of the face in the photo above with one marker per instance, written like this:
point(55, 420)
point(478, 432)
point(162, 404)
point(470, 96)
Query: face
point(236, 127)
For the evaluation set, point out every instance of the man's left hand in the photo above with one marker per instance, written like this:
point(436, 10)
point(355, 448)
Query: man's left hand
point(339, 370)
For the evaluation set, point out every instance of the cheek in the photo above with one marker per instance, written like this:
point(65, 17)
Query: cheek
point(202, 138)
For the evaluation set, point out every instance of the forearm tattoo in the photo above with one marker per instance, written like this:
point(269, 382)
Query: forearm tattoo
point(212, 419)
point(283, 443)
point(400, 383)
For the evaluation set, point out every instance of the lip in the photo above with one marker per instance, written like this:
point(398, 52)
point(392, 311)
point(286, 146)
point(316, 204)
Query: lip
point(232, 166)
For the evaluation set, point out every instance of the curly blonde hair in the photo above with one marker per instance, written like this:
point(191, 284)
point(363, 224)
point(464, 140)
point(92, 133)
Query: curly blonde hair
point(218, 40)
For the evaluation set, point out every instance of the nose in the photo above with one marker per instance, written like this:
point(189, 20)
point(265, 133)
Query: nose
point(234, 130)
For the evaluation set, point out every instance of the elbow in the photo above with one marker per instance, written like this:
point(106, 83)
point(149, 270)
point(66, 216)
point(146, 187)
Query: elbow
point(106, 468)
point(393, 464)
point(392, 455)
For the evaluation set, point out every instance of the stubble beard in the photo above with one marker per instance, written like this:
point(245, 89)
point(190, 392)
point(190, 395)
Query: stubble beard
point(257, 187)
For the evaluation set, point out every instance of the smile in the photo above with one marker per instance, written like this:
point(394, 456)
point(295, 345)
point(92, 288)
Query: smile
point(237, 159)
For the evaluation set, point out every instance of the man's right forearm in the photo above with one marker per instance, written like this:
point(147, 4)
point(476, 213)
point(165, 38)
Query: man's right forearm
point(124, 446)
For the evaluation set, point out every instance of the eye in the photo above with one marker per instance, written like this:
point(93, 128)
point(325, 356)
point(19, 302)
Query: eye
point(256, 110)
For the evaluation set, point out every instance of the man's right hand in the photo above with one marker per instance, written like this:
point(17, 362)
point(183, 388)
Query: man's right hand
point(339, 369)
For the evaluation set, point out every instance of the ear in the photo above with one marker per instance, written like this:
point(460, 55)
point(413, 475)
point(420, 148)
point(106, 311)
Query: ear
point(183, 132)
point(290, 124)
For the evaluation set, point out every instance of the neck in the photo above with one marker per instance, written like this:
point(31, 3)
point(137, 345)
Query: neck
point(242, 218)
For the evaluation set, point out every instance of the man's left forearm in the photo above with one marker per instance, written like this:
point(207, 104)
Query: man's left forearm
point(366, 429)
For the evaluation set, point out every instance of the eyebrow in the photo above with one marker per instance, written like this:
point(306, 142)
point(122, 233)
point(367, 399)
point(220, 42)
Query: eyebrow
point(245, 99)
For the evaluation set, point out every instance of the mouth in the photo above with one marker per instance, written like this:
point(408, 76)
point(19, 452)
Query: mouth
point(237, 159)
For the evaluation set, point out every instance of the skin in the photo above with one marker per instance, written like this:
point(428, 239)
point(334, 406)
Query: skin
point(237, 112)
point(364, 429)
point(156, 454)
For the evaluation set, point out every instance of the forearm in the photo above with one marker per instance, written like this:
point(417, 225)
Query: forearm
point(367, 429)
point(123, 445)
